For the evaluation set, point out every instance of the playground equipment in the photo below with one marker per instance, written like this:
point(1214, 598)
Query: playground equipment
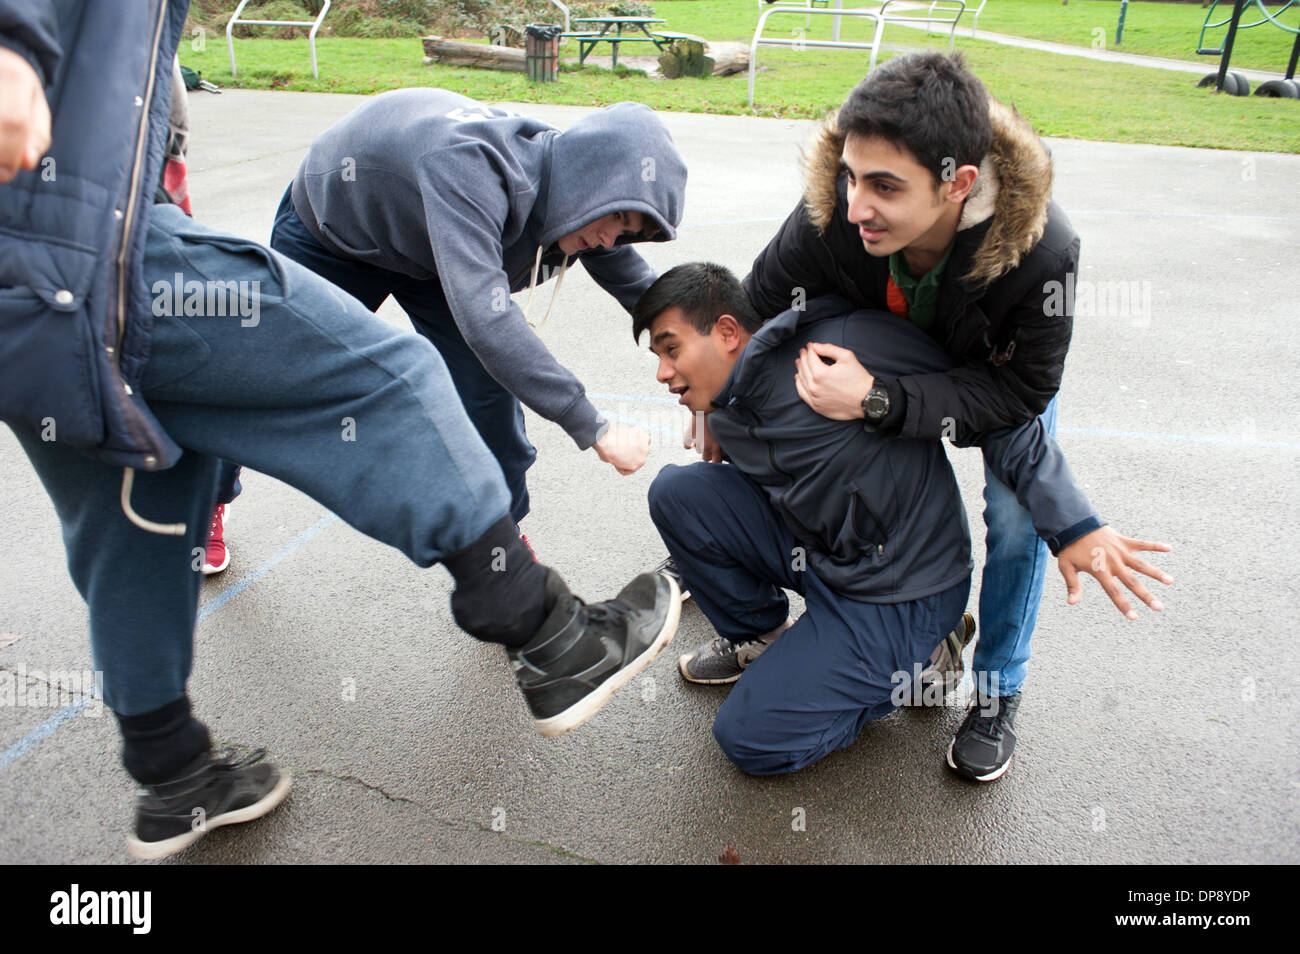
point(940, 12)
point(311, 35)
point(1235, 83)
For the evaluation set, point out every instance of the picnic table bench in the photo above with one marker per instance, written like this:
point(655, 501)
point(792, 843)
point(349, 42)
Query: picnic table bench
point(625, 29)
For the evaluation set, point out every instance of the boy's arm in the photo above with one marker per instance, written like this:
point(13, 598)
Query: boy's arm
point(30, 29)
point(465, 225)
point(1029, 461)
point(985, 396)
point(29, 55)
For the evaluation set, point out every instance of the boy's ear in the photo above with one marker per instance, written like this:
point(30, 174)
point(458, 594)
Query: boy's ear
point(963, 180)
point(729, 331)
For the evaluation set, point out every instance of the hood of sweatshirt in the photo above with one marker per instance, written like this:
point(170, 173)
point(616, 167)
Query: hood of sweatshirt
point(620, 159)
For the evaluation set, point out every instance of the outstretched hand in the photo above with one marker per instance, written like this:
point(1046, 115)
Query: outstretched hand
point(24, 116)
point(1112, 559)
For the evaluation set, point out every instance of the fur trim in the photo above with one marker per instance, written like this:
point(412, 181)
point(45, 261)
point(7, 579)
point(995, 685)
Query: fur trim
point(1014, 188)
point(820, 164)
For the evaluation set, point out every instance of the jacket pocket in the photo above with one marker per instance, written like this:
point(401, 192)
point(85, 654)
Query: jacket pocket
point(49, 379)
point(867, 526)
point(230, 258)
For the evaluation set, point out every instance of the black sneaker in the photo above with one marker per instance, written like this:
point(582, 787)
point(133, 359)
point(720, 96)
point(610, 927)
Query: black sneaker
point(982, 747)
point(209, 792)
point(669, 569)
point(583, 653)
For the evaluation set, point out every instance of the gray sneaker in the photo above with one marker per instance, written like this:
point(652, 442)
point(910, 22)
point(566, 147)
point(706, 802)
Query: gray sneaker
point(721, 661)
point(945, 666)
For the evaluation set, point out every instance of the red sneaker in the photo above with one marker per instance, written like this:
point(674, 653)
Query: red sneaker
point(217, 557)
point(524, 537)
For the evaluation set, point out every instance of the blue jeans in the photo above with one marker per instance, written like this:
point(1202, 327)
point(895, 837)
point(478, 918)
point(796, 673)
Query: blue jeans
point(836, 669)
point(494, 411)
point(1015, 567)
point(310, 388)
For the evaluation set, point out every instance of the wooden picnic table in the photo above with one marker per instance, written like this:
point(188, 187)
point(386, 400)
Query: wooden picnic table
point(625, 29)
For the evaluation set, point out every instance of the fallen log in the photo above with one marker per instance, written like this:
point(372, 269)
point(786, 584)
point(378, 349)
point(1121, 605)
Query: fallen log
point(728, 58)
point(459, 53)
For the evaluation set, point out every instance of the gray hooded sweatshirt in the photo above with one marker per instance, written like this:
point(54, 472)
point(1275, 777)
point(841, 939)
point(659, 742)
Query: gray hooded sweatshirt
point(428, 183)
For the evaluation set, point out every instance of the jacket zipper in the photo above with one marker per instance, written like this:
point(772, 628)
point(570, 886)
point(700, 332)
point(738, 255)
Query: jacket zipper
point(128, 219)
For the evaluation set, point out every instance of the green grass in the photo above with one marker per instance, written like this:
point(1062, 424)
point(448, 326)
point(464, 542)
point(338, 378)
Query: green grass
point(1062, 96)
point(1153, 29)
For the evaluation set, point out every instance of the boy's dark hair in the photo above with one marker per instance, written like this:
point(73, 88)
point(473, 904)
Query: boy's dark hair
point(703, 291)
point(928, 102)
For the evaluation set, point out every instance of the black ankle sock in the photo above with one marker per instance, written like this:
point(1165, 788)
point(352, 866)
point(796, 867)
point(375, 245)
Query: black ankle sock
point(500, 594)
point(157, 745)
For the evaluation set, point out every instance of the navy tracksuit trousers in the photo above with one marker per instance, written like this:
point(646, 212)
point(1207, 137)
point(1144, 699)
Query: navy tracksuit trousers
point(836, 669)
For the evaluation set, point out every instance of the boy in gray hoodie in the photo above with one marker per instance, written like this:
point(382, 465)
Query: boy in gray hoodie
point(450, 205)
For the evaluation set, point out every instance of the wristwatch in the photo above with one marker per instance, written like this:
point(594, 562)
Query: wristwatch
point(875, 406)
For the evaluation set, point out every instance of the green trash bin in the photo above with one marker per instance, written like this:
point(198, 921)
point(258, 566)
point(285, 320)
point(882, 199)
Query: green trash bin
point(542, 51)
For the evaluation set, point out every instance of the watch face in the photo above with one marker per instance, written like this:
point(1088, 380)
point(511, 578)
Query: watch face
point(876, 405)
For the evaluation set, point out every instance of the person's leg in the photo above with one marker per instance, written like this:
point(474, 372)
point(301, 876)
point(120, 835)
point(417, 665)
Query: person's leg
point(1015, 568)
point(228, 485)
point(495, 412)
point(311, 388)
point(142, 591)
point(217, 557)
point(730, 547)
point(839, 667)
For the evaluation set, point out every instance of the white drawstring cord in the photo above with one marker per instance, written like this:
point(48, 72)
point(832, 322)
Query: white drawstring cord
point(528, 302)
point(532, 284)
point(167, 529)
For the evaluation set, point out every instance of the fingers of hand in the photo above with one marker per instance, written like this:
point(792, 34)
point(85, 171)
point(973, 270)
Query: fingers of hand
point(1134, 583)
point(1145, 545)
point(1072, 588)
point(1142, 566)
point(1116, 594)
point(834, 352)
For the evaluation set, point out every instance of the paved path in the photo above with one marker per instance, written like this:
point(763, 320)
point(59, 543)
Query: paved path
point(1171, 739)
point(1209, 65)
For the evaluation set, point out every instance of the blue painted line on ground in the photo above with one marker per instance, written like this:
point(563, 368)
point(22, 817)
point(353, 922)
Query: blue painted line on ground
point(1180, 215)
point(230, 592)
point(663, 432)
point(1079, 431)
point(638, 398)
point(56, 721)
point(46, 728)
point(1177, 438)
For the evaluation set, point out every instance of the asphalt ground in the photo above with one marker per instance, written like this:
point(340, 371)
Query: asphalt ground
point(1170, 739)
